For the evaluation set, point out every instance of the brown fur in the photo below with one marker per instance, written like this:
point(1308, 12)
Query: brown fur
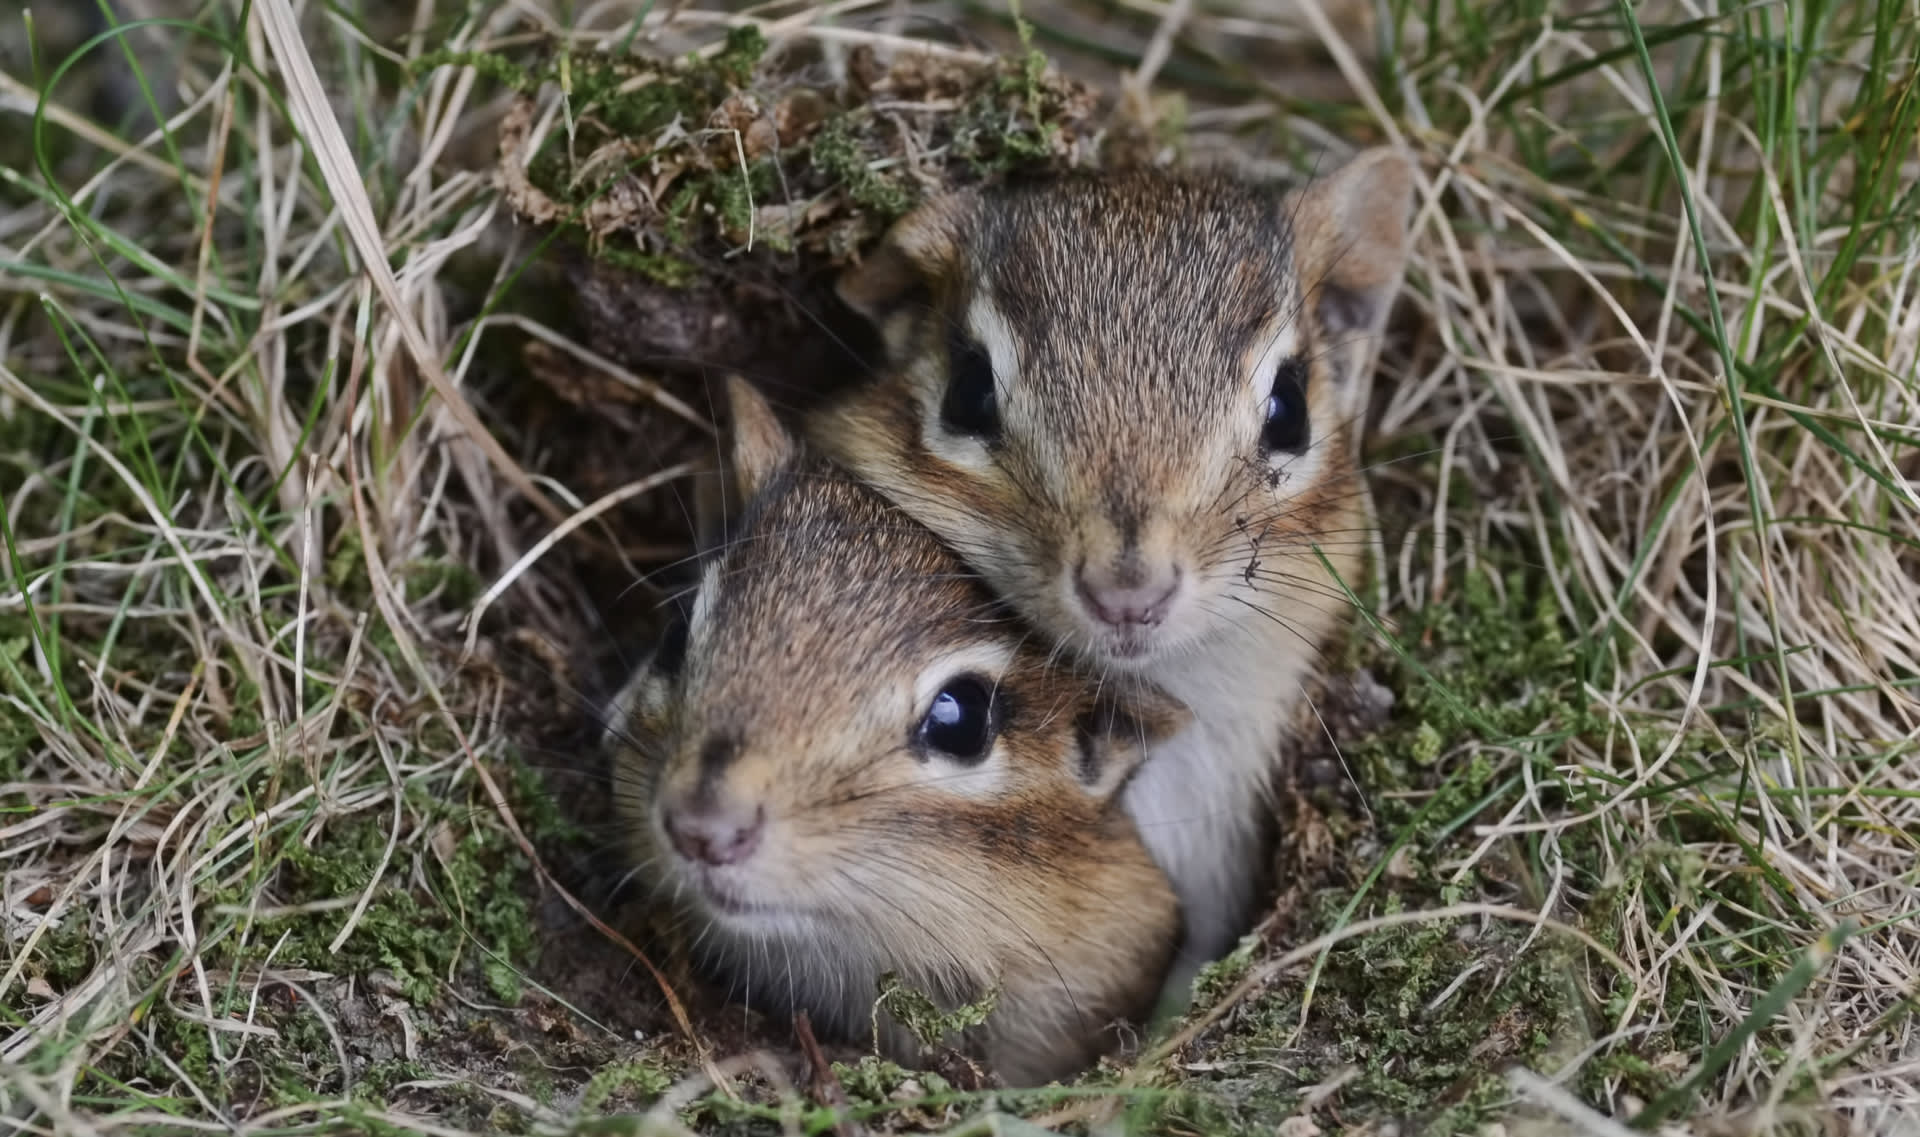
point(1136, 312)
point(817, 615)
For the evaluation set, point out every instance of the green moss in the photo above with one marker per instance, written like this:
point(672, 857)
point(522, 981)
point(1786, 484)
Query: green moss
point(921, 1015)
point(537, 807)
point(1374, 1010)
point(594, 86)
point(490, 65)
point(65, 954)
point(992, 141)
point(456, 583)
point(876, 1080)
point(1634, 1072)
point(634, 1083)
point(1422, 1016)
point(731, 197)
point(346, 570)
point(1224, 974)
point(17, 730)
point(593, 81)
point(661, 268)
point(836, 152)
point(416, 938)
point(304, 1064)
point(186, 1044)
point(690, 91)
point(1490, 663)
point(1010, 124)
point(1029, 69)
point(549, 171)
point(741, 54)
point(376, 1083)
point(1504, 652)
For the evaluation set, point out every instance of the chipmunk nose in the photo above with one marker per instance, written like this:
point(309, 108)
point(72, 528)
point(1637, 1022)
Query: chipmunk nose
point(1121, 600)
point(723, 833)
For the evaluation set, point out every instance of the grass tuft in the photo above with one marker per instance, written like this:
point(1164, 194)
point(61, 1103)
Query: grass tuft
point(320, 508)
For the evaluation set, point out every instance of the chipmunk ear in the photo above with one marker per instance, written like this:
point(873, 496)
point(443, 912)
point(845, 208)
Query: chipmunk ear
point(759, 445)
point(895, 282)
point(755, 447)
point(1121, 722)
point(1351, 240)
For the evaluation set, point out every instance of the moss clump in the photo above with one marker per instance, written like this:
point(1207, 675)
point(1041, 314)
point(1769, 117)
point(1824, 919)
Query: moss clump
point(598, 87)
point(417, 938)
point(455, 584)
point(65, 954)
point(741, 53)
point(1224, 974)
point(593, 85)
point(878, 1081)
point(661, 268)
point(838, 155)
point(1504, 655)
point(17, 731)
point(1494, 662)
point(489, 64)
point(1415, 1021)
point(1420, 1017)
point(688, 157)
point(1381, 987)
point(629, 1083)
point(918, 1012)
point(185, 1043)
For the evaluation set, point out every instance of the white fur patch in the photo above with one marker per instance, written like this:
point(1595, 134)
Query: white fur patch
point(985, 323)
point(702, 613)
point(1294, 469)
point(646, 696)
point(619, 711)
point(1285, 342)
point(996, 335)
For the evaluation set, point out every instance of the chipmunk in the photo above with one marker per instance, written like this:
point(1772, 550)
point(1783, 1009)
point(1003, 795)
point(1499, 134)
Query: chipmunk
point(848, 760)
point(1131, 403)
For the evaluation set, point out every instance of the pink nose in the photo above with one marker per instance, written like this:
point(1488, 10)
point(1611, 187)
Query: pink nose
point(1126, 604)
point(724, 834)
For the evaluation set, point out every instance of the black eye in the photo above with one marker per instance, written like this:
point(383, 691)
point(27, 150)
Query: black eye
point(959, 725)
point(968, 407)
point(1286, 424)
point(672, 651)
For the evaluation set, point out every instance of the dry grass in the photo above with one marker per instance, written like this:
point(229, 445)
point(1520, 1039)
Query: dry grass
point(266, 823)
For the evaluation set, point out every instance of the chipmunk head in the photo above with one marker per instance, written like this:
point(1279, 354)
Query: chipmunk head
point(847, 758)
point(1129, 401)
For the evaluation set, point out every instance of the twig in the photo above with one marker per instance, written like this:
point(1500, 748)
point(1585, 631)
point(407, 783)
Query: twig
point(826, 1086)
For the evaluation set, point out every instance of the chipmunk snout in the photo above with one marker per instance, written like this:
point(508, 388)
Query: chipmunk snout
point(1141, 597)
point(715, 832)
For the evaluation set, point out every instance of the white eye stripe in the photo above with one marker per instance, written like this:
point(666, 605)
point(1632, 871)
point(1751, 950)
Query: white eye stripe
point(1285, 342)
point(989, 661)
point(983, 780)
point(983, 323)
point(991, 329)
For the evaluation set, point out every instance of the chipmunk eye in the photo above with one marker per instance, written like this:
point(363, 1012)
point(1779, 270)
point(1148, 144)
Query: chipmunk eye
point(1285, 428)
point(959, 725)
point(969, 406)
